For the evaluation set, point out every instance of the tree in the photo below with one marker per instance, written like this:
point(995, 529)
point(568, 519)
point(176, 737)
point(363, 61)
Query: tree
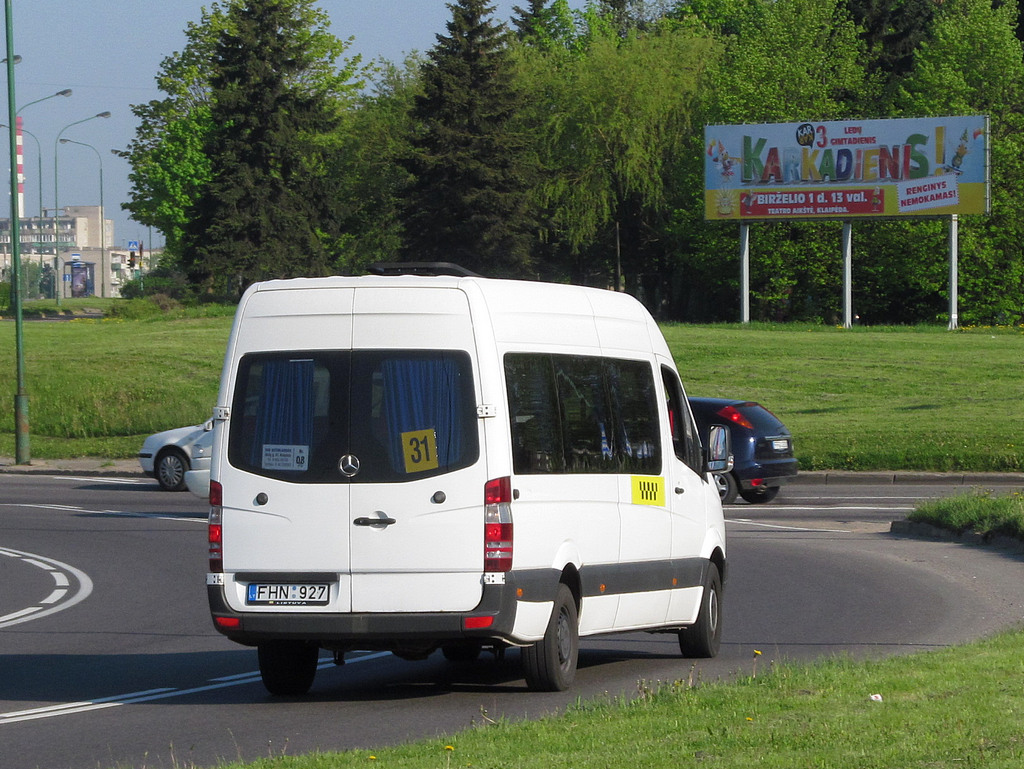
point(275, 100)
point(468, 199)
point(973, 65)
point(609, 125)
point(169, 166)
point(892, 31)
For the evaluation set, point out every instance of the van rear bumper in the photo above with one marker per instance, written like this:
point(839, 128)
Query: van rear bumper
point(496, 610)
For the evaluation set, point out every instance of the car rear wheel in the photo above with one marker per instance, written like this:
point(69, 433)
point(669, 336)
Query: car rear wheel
point(288, 667)
point(704, 637)
point(761, 495)
point(550, 664)
point(727, 487)
point(170, 467)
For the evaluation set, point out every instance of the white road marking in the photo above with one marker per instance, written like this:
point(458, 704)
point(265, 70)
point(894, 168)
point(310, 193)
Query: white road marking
point(114, 513)
point(748, 522)
point(149, 695)
point(62, 596)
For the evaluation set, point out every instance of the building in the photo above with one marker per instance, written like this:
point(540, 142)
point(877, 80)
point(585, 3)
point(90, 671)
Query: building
point(84, 259)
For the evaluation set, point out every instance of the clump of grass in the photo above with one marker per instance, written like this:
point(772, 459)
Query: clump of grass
point(978, 511)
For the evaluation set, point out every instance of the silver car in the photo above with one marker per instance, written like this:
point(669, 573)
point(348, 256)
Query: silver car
point(168, 455)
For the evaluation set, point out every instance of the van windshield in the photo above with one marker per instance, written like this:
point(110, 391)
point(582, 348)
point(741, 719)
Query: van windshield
point(391, 415)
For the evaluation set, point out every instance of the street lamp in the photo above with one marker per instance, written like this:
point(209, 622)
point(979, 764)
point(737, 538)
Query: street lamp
point(21, 451)
point(56, 209)
point(103, 223)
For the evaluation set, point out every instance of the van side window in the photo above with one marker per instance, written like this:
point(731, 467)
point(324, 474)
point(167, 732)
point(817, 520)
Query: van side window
point(580, 414)
point(685, 441)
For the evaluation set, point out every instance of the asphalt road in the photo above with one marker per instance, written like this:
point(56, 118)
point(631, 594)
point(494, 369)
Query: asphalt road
point(108, 658)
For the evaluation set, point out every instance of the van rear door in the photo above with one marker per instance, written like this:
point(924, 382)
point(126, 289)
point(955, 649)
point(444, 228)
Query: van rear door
point(362, 463)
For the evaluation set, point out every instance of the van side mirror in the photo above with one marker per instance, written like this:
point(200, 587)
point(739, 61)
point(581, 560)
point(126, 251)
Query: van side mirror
point(718, 454)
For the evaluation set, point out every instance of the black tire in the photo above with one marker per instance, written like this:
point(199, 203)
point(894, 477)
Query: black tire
point(761, 495)
point(727, 487)
point(462, 651)
point(704, 637)
point(170, 468)
point(288, 667)
point(550, 664)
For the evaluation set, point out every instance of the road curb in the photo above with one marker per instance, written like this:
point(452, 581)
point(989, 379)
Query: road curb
point(846, 477)
point(928, 531)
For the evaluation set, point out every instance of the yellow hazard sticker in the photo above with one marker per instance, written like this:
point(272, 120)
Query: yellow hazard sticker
point(648, 490)
point(420, 450)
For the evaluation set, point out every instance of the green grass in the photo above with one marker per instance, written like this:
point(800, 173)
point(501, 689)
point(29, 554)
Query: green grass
point(860, 399)
point(871, 398)
point(978, 511)
point(958, 707)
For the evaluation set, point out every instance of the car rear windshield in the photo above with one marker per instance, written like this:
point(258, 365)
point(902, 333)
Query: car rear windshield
point(764, 421)
point(391, 415)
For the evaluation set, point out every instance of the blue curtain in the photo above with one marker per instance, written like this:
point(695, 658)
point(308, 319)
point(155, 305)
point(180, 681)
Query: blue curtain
point(423, 394)
point(285, 414)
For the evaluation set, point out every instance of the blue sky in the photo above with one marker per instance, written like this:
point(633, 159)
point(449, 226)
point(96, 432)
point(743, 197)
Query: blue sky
point(109, 51)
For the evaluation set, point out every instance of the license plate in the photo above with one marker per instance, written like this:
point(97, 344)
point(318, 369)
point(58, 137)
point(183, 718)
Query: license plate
point(780, 445)
point(287, 595)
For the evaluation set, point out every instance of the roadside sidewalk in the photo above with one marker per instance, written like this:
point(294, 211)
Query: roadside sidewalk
point(76, 466)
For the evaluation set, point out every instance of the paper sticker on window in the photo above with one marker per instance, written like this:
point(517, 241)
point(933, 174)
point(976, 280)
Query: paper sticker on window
point(293, 458)
point(648, 490)
point(420, 450)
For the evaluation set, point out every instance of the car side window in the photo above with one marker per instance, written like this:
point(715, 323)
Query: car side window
point(685, 441)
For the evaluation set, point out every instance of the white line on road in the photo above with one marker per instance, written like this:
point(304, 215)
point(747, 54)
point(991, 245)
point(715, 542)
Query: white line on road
point(149, 695)
point(62, 596)
point(748, 522)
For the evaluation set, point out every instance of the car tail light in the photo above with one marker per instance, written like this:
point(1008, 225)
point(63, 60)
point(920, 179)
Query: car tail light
point(215, 532)
point(498, 525)
point(735, 416)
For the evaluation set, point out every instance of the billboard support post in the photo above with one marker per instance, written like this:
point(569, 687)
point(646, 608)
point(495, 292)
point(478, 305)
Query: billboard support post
point(847, 274)
point(954, 247)
point(745, 273)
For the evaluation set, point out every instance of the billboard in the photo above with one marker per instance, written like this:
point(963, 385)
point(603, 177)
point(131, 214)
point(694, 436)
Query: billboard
point(847, 169)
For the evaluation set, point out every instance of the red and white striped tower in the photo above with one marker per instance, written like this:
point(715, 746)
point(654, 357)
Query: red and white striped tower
point(21, 169)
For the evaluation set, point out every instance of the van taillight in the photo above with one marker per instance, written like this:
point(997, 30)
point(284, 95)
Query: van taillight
point(216, 533)
point(498, 525)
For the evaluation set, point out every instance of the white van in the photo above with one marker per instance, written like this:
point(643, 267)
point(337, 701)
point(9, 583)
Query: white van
point(412, 463)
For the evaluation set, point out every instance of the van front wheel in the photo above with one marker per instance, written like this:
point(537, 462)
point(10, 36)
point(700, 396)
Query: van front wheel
point(703, 638)
point(550, 664)
point(288, 667)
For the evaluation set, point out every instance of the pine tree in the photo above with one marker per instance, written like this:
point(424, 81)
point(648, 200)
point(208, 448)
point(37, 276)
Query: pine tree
point(263, 213)
point(468, 201)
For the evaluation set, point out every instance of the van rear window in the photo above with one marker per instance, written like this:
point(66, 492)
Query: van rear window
point(580, 414)
point(392, 415)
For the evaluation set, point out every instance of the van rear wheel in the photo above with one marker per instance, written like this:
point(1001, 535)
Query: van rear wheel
point(288, 667)
point(550, 664)
point(703, 638)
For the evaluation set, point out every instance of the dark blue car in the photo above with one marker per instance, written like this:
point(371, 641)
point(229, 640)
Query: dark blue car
point(762, 445)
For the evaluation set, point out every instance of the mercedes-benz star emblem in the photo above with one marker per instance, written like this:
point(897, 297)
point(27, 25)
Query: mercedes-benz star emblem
point(349, 465)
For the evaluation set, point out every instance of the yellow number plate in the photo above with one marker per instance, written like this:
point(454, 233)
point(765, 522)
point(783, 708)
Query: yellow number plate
point(420, 448)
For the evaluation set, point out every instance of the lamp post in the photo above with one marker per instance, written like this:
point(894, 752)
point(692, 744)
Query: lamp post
point(103, 223)
point(21, 450)
point(56, 209)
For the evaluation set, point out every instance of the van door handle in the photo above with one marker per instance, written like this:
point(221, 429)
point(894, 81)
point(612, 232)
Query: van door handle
point(364, 521)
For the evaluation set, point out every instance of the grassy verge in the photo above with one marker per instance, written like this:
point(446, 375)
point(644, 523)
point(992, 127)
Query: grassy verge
point(951, 708)
point(871, 398)
point(860, 399)
point(978, 511)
